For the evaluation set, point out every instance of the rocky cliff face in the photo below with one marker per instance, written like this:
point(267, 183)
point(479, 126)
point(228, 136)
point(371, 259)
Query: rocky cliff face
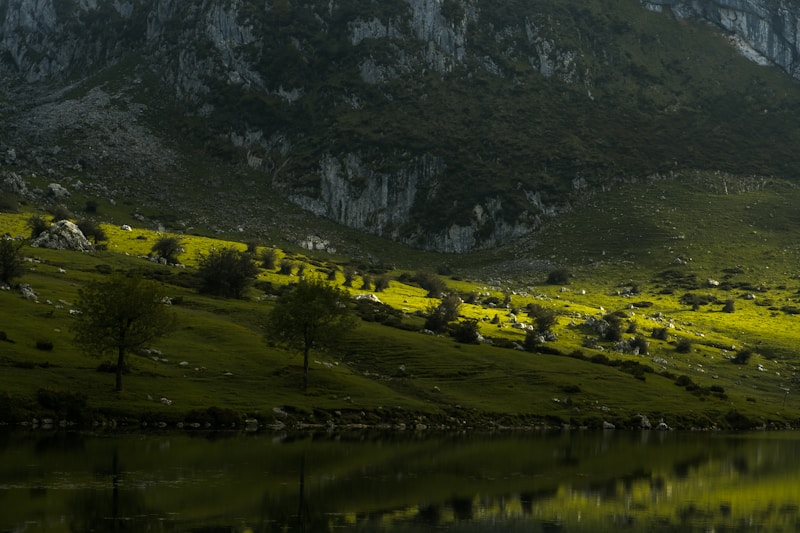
point(765, 30)
point(446, 124)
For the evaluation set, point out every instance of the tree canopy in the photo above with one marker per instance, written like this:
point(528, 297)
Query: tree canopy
point(120, 315)
point(226, 272)
point(311, 314)
point(10, 260)
point(168, 248)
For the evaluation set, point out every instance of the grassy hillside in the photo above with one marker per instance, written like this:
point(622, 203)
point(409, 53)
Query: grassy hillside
point(622, 249)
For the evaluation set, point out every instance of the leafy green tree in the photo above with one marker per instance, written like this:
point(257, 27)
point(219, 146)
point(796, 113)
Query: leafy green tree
point(431, 283)
point(467, 332)
point(60, 212)
point(560, 276)
point(120, 315)
point(543, 318)
point(366, 282)
point(37, 224)
point(310, 315)
point(450, 306)
point(349, 275)
point(92, 229)
point(742, 357)
point(226, 272)
point(10, 260)
point(286, 267)
point(269, 258)
point(381, 283)
point(169, 248)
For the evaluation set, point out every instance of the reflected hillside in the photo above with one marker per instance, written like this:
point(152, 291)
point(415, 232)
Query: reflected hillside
point(570, 481)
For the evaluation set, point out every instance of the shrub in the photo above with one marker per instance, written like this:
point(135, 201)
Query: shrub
point(44, 345)
point(37, 224)
point(269, 259)
point(103, 268)
point(214, 416)
point(696, 300)
point(226, 272)
point(431, 283)
point(560, 276)
point(614, 331)
point(60, 212)
point(10, 260)
point(91, 206)
point(366, 282)
point(435, 320)
point(729, 307)
point(466, 332)
point(739, 421)
point(301, 270)
point(532, 341)
point(684, 345)
point(381, 283)
point(331, 276)
point(92, 230)
point(450, 306)
point(68, 404)
point(543, 317)
point(640, 343)
point(444, 270)
point(168, 248)
point(660, 334)
point(742, 357)
point(286, 267)
point(9, 203)
point(349, 275)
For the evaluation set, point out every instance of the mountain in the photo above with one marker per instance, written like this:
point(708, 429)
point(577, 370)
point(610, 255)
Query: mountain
point(449, 125)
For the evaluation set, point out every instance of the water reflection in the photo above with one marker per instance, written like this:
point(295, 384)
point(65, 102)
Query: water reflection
point(572, 481)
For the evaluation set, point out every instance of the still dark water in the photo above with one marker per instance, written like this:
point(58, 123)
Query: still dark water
point(570, 481)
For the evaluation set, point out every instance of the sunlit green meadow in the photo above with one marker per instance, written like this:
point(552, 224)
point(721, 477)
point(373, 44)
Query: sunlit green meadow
point(621, 250)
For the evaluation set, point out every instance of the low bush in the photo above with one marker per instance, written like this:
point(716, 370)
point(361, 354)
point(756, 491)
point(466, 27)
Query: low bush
point(44, 345)
point(660, 334)
point(742, 357)
point(466, 332)
point(684, 345)
point(560, 276)
point(64, 404)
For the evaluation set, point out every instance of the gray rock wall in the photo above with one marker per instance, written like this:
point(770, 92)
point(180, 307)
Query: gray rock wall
point(196, 47)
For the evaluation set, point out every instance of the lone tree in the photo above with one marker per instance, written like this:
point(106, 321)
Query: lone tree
point(10, 260)
point(226, 272)
point(311, 314)
point(37, 224)
point(92, 229)
point(169, 248)
point(120, 315)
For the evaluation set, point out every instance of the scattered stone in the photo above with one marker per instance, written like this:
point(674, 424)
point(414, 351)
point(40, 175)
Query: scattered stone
point(28, 293)
point(368, 297)
point(57, 191)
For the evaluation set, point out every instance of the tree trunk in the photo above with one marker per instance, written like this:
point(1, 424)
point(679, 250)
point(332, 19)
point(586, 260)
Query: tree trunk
point(305, 368)
point(120, 364)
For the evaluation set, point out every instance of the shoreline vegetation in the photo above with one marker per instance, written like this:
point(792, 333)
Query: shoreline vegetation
point(655, 304)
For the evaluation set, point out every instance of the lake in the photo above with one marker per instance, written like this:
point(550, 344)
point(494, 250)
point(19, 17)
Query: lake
point(374, 482)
